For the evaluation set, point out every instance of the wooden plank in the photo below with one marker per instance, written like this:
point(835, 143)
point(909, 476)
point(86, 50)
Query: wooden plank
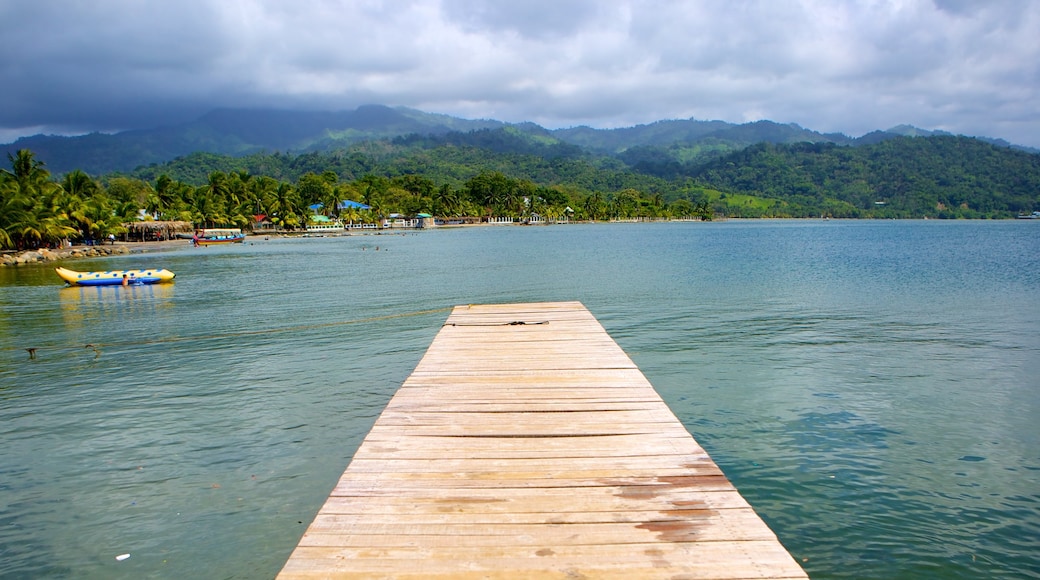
point(657, 559)
point(435, 464)
point(560, 502)
point(526, 443)
point(606, 447)
point(535, 529)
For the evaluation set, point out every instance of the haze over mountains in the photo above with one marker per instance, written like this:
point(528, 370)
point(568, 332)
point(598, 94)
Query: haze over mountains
point(241, 132)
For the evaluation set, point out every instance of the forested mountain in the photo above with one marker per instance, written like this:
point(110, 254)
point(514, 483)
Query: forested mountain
point(236, 132)
point(905, 177)
point(524, 173)
point(941, 176)
point(659, 147)
point(243, 132)
point(402, 161)
point(449, 159)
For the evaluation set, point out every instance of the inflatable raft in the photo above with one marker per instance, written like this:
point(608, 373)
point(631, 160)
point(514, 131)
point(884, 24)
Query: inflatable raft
point(114, 277)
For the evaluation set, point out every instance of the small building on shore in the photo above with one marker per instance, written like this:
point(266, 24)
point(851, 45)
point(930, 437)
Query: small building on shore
point(155, 231)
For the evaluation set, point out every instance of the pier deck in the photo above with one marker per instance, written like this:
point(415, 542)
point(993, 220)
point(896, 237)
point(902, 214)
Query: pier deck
point(534, 450)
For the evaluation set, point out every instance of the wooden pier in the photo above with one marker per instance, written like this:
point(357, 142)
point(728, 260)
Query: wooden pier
point(526, 444)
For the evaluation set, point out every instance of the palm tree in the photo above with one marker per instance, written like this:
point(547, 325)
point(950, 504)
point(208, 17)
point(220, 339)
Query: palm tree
point(99, 218)
point(31, 207)
point(218, 186)
point(593, 205)
point(447, 201)
point(79, 184)
point(624, 203)
point(79, 189)
point(284, 207)
point(9, 207)
point(209, 208)
point(552, 213)
point(350, 215)
point(261, 195)
point(238, 202)
point(705, 211)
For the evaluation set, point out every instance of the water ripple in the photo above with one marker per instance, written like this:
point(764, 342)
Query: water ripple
point(847, 377)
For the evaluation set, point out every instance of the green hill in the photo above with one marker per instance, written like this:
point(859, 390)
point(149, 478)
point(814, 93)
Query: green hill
point(940, 176)
point(525, 172)
point(749, 170)
point(655, 148)
point(235, 132)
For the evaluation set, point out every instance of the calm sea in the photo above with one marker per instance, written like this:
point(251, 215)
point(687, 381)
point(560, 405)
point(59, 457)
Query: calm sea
point(872, 388)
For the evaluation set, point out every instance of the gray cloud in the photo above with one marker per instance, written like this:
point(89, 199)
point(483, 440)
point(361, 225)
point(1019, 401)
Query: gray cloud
point(541, 19)
point(961, 66)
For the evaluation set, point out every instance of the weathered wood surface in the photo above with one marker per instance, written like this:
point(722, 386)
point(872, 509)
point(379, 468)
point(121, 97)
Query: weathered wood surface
point(533, 450)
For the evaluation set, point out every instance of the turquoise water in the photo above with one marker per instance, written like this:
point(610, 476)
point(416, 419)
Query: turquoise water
point(872, 388)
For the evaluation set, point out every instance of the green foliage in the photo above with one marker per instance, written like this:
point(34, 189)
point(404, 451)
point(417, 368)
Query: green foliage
point(525, 172)
point(34, 210)
point(941, 177)
point(236, 132)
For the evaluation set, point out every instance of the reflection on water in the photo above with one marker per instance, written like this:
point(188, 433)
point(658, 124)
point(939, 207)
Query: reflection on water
point(92, 301)
point(90, 295)
point(86, 308)
point(870, 387)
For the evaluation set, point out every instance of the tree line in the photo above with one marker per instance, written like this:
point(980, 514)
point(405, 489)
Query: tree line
point(507, 173)
point(904, 177)
point(900, 177)
point(37, 210)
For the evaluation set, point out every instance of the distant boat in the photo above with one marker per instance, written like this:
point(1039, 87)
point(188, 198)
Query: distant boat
point(211, 236)
point(1033, 216)
point(115, 277)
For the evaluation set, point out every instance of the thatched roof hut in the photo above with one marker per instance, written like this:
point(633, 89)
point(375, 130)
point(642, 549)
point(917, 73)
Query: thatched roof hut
point(149, 231)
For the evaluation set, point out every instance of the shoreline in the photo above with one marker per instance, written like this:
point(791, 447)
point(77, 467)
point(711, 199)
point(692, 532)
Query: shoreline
point(47, 255)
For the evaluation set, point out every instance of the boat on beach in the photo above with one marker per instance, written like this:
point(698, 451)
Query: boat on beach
point(211, 236)
point(115, 277)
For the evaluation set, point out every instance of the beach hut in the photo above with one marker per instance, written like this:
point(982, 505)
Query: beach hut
point(154, 231)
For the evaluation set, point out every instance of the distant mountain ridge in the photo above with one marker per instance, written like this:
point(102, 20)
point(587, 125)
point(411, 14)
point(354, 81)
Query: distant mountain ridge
point(239, 132)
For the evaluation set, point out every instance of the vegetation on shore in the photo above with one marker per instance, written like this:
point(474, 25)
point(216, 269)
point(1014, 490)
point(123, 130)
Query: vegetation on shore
point(37, 210)
point(509, 173)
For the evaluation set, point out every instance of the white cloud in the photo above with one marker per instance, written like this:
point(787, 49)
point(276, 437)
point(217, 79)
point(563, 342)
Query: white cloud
point(852, 67)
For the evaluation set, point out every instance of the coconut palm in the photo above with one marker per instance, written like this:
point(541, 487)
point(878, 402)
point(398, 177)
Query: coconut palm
point(79, 184)
point(593, 205)
point(31, 204)
point(79, 189)
point(446, 201)
point(11, 207)
point(209, 206)
point(624, 203)
point(284, 207)
point(260, 196)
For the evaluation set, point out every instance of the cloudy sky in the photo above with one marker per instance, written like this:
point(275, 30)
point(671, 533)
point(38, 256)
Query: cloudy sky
point(966, 66)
